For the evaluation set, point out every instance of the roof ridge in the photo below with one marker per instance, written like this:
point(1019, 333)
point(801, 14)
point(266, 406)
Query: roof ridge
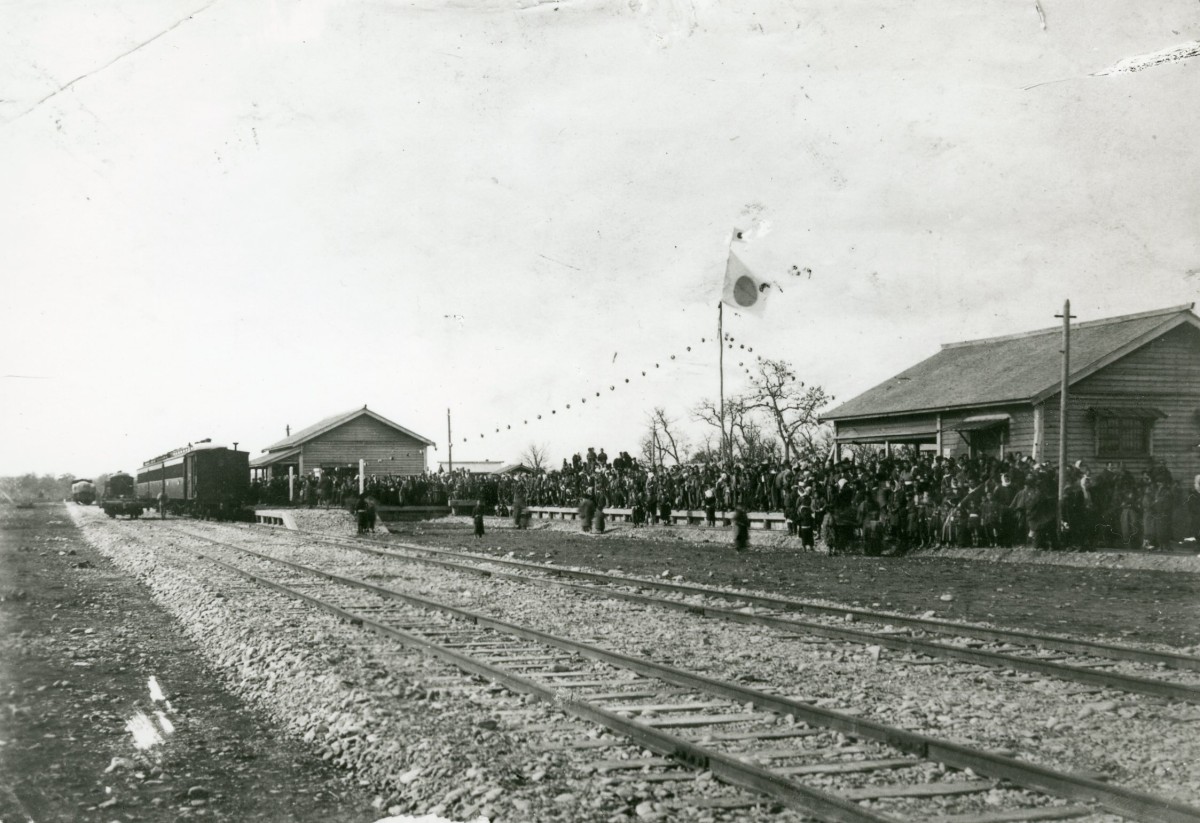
point(1084, 325)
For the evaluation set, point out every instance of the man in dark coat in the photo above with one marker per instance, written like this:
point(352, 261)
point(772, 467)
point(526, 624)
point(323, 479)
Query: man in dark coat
point(587, 510)
point(477, 517)
point(741, 529)
point(362, 513)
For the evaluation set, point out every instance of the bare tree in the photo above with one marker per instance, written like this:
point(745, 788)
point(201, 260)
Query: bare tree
point(663, 439)
point(815, 444)
point(789, 406)
point(709, 411)
point(744, 435)
point(536, 457)
point(706, 451)
point(753, 443)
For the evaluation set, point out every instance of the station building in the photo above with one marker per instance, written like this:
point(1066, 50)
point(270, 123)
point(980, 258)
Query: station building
point(1133, 396)
point(484, 467)
point(337, 444)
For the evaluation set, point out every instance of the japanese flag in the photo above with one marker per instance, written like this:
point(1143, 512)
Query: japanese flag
point(744, 291)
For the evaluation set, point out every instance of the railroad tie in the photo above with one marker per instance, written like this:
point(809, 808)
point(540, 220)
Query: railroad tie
point(919, 790)
point(631, 763)
point(659, 708)
point(798, 731)
point(659, 777)
point(634, 695)
point(850, 767)
point(1018, 815)
point(699, 720)
point(584, 743)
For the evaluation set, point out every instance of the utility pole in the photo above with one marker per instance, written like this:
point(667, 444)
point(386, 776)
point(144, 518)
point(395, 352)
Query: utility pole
point(450, 447)
point(1062, 416)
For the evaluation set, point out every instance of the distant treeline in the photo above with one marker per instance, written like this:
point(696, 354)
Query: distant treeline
point(30, 488)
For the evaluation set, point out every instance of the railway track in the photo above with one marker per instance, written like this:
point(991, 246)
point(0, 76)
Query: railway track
point(1087, 663)
point(828, 764)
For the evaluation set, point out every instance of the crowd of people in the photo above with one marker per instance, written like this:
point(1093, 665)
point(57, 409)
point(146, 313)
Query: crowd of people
point(338, 489)
point(878, 502)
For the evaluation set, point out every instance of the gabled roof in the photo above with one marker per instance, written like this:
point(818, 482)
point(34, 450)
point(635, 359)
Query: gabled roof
point(1019, 368)
point(474, 466)
point(331, 423)
point(274, 457)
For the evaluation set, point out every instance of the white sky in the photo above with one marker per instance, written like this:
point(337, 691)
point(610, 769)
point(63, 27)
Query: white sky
point(277, 210)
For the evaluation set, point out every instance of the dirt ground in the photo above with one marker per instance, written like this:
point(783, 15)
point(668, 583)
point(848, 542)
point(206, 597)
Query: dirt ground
point(1119, 604)
point(79, 642)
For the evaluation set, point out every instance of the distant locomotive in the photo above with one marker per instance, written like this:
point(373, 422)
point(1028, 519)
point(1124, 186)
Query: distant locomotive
point(83, 492)
point(201, 479)
point(120, 497)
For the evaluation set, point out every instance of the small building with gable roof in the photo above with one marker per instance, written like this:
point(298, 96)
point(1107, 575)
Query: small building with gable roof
point(484, 467)
point(1134, 396)
point(337, 443)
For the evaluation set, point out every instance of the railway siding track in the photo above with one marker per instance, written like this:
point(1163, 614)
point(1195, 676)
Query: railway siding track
point(1088, 670)
point(484, 645)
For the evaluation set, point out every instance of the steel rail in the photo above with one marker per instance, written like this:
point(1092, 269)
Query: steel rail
point(1109, 650)
point(1076, 674)
point(1126, 802)
point(821, 804)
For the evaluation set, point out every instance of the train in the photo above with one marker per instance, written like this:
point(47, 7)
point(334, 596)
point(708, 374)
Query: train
point(83, 492)
point(201, 479)
point(120, 497)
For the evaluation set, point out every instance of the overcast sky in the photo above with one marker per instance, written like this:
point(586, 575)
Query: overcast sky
point(221, 219)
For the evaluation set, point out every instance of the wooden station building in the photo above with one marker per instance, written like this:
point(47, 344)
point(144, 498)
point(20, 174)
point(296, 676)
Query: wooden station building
point(337, 444)
point(1133, 396)
point(484, 467)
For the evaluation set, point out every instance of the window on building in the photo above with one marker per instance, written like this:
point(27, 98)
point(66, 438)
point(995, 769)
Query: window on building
point(1124, 432)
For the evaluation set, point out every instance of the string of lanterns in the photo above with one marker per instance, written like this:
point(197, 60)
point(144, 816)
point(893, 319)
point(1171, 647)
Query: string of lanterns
point(728, 340)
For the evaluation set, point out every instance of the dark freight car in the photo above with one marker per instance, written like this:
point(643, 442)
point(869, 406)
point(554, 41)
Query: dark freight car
point(200, 479)
point(120, 496)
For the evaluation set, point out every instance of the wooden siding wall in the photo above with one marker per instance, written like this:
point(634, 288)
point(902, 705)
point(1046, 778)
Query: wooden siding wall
point(1163, 374)
point(1018, 438)
point(1020, 431)
point(387, 451)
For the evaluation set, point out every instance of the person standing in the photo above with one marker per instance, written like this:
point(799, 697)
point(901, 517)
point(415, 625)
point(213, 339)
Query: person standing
point(361, 508)
point(805, 523)
point(1004, 517)
point(587, 510)
point(1163, 505)
point(477, 517)
point(1130, 517)
point(520, 498)
point(741, 529)
point(163, 498)
point(1193, 508)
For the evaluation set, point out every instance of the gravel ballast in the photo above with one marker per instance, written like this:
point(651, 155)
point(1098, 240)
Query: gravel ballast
point(1133, 740)
point(422, 736)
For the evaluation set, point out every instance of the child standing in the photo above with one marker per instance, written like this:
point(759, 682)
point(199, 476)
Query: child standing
point(805, 523)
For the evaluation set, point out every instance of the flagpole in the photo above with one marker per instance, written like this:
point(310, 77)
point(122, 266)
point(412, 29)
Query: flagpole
point(721, 365)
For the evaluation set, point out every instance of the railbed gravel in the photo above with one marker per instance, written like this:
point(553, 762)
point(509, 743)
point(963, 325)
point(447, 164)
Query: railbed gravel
point(426, 738)
point(1136, 741)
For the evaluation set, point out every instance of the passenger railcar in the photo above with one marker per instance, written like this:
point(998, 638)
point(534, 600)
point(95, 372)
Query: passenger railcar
point(120, 497)
point(201, 479)
point(83, 492)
